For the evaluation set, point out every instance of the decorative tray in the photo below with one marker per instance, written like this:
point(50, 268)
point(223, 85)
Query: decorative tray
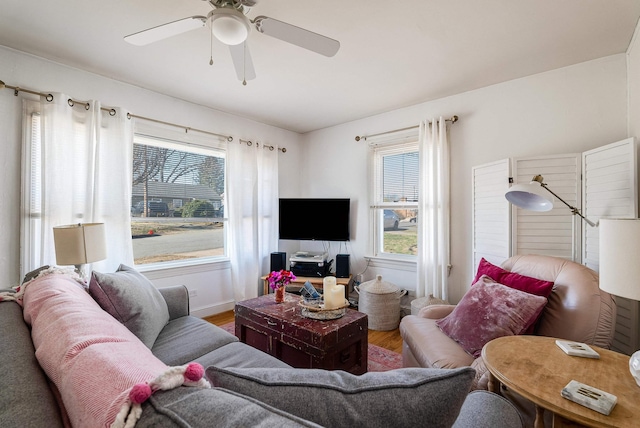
point(315, 309)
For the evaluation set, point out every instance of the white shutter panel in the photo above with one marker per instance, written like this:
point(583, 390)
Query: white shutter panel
point(626, 338)
point(490, 215)
point(611, 191)
point(556, 232)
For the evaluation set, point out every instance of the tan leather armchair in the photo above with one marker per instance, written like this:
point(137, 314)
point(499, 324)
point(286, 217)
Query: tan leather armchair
point(576, 310)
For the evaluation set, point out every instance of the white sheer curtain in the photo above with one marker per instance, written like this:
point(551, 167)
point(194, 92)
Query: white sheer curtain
point(77, 170)
point(433, 210)
point(252, 204)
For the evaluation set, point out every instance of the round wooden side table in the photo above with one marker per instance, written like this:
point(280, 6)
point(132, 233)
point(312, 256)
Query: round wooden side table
point(537, 369)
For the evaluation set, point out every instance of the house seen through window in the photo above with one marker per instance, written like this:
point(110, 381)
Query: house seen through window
point(395, 200)
point(177, 201)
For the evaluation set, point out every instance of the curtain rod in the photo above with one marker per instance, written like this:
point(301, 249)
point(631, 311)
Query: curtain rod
point(49, 97)
point(264, 146)
point(453, 119)
point(112, 112)
point(229, 138)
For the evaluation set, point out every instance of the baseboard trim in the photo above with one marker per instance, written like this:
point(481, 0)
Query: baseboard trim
point(207, 311)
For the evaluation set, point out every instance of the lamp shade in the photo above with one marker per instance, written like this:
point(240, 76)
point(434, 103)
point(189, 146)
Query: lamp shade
point(230, 26)
point(530, 196)
point(77, 244)
point(620, 257)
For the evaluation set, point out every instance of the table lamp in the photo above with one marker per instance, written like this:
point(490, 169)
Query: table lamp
point(620, 266)
point(79, 244)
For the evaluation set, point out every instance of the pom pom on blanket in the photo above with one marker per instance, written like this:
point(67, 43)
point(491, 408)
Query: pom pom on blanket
point(140, 393)
point(188, 375)
point(194, 372)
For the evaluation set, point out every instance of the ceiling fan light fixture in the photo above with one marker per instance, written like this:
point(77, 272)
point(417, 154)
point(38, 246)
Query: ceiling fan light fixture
point(230, 26)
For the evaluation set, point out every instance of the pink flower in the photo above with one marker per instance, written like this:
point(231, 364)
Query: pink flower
point(280, 278)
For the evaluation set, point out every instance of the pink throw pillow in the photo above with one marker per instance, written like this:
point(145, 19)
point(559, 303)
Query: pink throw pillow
point(514, 280)
point(490, 310)
point(528, 284)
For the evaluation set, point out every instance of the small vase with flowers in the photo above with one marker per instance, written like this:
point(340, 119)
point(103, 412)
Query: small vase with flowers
point(278, 281)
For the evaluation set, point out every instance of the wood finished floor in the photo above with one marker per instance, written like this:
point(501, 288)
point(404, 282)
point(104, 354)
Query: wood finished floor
point(385, 339)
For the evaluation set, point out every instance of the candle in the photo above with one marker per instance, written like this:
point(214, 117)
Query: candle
point(328, 281)
point(333, 293)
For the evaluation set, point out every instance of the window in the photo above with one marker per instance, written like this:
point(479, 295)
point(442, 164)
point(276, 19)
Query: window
point(395, 196)
point(31, 227)
point(177, 201)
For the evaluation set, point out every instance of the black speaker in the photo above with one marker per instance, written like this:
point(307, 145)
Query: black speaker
point(278, 261)
point(342, 266)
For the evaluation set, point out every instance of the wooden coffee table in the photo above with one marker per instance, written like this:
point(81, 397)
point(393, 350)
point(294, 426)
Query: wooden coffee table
point(279, 329)
point(534, 367)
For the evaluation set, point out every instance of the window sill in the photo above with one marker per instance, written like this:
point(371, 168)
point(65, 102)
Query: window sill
point(405, 264)
point(183, 267)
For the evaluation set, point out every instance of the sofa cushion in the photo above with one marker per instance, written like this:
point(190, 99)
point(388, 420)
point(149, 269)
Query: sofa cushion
point(490, 310)
point(240, 355)
point(404, 397)
point(205, 408)
point(93, 359)
point(132, 299)
point(188, 338)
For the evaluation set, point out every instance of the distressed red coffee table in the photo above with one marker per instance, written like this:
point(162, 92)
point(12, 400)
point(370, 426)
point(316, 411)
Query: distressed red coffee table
point(279, 329)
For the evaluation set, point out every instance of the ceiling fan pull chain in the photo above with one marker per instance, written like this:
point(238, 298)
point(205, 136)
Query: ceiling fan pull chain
point(244, 63)
point(211, 45)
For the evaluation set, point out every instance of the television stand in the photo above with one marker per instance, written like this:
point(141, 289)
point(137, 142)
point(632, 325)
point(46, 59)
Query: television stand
point(297, 284)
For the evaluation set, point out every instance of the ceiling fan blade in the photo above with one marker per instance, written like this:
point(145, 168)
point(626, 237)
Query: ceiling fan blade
point(242, 62)
point(297, 36)
point(165, 31)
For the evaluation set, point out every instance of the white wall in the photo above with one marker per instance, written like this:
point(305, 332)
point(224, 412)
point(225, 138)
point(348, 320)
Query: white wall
point(568, 110)
point(19, 69)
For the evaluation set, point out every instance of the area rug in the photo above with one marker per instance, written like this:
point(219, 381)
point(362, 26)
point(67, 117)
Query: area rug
point(380, 359)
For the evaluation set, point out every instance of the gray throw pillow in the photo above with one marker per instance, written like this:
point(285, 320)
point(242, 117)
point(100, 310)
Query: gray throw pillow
point(407, 397)
point(187, 407)
point(132, 299)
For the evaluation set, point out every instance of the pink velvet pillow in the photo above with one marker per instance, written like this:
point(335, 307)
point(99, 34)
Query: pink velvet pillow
point(490, 310)
point(514, 280)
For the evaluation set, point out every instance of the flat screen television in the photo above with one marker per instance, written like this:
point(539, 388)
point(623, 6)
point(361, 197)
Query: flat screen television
point(319, 219)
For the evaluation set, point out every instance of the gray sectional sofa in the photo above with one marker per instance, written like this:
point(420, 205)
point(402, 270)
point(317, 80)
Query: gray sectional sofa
point(249, 387)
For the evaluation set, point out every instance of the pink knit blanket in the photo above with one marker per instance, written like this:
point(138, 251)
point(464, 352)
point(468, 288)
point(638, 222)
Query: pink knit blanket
point(93, 359)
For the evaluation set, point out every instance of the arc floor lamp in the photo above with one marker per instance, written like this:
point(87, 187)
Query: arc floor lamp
point(531, 196)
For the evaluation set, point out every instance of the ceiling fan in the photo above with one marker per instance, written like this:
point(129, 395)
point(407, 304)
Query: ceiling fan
point(229, 23)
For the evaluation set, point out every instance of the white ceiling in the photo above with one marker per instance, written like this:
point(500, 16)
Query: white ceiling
point(393, 53)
